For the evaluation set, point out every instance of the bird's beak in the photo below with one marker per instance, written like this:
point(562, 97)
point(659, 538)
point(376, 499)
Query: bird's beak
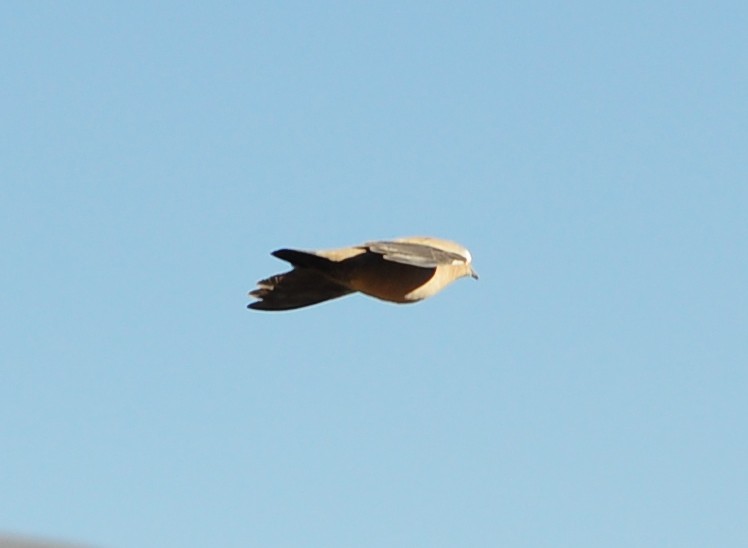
point(473, 273)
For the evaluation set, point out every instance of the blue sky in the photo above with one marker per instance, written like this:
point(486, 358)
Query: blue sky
point(590, 390)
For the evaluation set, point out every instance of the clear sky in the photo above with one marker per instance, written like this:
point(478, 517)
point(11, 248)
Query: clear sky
point(591, 389)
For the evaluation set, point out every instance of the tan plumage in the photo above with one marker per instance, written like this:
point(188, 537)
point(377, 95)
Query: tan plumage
point(403, 270)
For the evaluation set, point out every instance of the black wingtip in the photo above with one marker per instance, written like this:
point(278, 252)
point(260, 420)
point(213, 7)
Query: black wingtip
point(278, 253)
point(302, 258)
point(259, 305)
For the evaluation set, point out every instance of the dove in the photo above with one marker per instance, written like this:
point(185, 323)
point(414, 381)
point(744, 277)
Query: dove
point(402, 270)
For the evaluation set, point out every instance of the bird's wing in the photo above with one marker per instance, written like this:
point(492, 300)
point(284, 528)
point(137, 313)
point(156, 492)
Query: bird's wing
point(295, 289)
point(415, 254)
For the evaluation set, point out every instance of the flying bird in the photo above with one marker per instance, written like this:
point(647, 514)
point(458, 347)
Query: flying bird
point(403, 270)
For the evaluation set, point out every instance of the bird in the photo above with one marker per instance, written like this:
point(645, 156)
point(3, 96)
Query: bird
point(401, 270)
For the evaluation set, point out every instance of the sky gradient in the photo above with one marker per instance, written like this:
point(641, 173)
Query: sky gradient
point(589, 390)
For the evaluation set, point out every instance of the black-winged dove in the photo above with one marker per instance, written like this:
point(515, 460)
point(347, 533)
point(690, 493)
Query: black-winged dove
point(404, 270)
